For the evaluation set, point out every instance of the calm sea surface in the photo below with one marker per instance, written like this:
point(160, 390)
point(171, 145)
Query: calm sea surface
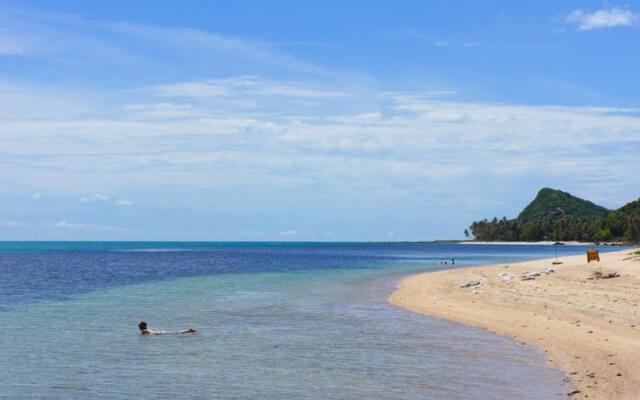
point(275, 321)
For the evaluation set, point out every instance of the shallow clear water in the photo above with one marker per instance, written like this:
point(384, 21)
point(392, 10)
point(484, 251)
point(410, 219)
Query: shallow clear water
point(275, 321)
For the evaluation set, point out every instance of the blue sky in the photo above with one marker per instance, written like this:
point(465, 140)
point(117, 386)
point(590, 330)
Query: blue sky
point(331, 120)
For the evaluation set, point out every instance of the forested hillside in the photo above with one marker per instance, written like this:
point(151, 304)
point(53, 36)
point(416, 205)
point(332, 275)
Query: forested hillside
point(557, 216)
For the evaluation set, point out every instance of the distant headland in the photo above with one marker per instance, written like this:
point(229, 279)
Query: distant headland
point(555, 215)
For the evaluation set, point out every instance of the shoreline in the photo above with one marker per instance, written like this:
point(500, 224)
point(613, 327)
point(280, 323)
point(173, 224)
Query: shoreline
point(541, 243)
point(589, 328)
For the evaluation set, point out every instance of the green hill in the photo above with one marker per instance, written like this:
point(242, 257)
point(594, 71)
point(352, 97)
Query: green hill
point(624, 222)
point(558, 216)
point(551, 203)
point(630, 208)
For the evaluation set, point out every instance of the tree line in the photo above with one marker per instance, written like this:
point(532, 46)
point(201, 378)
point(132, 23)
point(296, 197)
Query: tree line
point(619, 225)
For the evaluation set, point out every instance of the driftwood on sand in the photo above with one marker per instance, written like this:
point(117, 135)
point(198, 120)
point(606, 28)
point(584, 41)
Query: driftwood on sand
point(601, 275)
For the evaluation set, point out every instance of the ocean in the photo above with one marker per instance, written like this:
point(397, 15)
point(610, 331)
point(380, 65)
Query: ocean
point(274, 321)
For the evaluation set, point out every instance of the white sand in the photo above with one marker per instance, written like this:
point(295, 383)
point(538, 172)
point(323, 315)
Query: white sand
point(589, 328)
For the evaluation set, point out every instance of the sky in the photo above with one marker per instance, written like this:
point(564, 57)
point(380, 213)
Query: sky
point(309, 121)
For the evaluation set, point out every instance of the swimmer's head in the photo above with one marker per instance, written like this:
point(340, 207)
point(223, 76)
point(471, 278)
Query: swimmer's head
point(142, 325)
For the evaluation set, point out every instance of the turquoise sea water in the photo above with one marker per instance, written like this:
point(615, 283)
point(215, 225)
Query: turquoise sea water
point(275, 321)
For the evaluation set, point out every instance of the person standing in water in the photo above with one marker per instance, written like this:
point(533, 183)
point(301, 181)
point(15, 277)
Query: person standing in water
point(145, 330)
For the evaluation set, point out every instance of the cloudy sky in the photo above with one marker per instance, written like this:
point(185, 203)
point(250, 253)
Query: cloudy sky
point(330, 120)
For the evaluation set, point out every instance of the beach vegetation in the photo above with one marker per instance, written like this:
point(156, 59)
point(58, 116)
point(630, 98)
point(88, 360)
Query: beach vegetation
point(559, 216)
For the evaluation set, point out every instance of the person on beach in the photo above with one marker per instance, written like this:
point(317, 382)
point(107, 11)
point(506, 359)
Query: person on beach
point(145, 330)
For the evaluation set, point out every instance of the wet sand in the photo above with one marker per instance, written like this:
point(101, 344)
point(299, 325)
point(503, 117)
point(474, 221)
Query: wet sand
point(589, 328)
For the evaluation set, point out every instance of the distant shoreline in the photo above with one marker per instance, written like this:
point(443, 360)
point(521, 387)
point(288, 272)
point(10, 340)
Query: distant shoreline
point(587, 327)
point(541, 243)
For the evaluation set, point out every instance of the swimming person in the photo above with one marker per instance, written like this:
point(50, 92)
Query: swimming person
point(145, 330)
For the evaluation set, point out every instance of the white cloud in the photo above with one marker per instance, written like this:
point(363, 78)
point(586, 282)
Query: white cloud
point(11, 223)
point(79, 226)
point(385, 145)
point(243, 85)
point(122, 44)
point(160, 111)
point(101, 198)
point(59, 225)
point(72, 225)
point(188, 38)
point(398, 138)
point(94, 198)
point(605, 18)
point(364, 118)
point(288, 233)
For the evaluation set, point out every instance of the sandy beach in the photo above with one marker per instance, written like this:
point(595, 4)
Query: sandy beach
point(589, 328)
point(540, 243)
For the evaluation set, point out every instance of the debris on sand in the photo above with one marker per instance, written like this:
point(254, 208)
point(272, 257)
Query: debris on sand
point(573, 393)
point(608, 275)
point(505, 276)
point(470, 284)
point(529, 276)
